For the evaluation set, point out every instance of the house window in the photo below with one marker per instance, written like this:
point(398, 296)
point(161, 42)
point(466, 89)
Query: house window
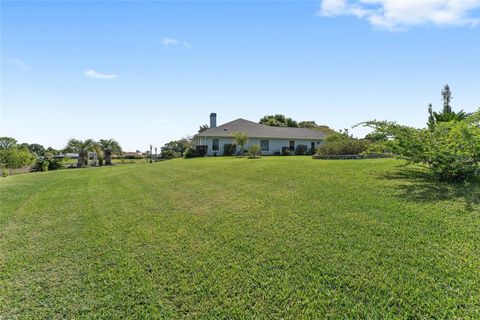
point(313, 145)
point(215, 145)
point(292, 145)
point(264, 145)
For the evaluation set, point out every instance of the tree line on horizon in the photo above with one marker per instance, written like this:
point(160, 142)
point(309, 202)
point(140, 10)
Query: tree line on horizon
point(14, 155)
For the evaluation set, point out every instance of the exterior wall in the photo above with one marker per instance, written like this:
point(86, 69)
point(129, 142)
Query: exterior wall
point(275, 145)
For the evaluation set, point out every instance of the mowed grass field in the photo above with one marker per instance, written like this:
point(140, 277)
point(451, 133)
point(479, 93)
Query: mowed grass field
point(279, 237)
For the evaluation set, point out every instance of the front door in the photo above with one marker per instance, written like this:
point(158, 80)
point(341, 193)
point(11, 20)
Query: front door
point(292, 145)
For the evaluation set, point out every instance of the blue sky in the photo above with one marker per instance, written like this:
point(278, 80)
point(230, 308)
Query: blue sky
point(149, 72)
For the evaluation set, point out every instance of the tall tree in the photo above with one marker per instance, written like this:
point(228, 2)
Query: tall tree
point(7, 143)
point(446, 97)
point(36, 148)
point(109, 147)
point(278, 120)
point(307, 124)
point(447, 113)
point(53, 151)
point(82, 148)
point(178, 146)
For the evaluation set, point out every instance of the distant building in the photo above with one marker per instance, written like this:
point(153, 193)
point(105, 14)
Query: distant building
point(69, 155)
point(132, 155)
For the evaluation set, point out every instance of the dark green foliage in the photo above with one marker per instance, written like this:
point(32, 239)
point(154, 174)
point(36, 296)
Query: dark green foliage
point(315, 126)
point(174, 149)
point(24, 145)
point(341, 143)
point(189, 153)
point(285, 151)
point(170, 154)
point(109, 147)
point(201, 150)
point(203, 127)
point(229, 149)
point(301, 150)
point(36, 148)
point(376, 137)
point(307, 124)
point(278, 120)
point(56, 164)
point(49, 164)
point(446, 97)
point(53, 151)
point(7, 143)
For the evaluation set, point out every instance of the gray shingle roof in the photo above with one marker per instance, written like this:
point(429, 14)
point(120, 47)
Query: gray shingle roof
point(256, 130)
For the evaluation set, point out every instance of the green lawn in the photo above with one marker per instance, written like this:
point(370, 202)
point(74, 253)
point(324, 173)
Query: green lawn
point(279, 237)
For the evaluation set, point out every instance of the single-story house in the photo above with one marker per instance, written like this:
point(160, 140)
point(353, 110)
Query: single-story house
point(270, 139)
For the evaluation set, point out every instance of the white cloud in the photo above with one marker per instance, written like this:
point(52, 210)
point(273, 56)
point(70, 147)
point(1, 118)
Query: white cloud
point(170, 42)
point(400, 14)
point(98, 75)
point(18, 63)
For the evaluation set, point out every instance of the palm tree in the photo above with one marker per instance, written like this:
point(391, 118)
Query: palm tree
point(447, 113)
point(444, 116)
point(241, 138)
point(100, 154)
point(82, 148)
point(109, 147)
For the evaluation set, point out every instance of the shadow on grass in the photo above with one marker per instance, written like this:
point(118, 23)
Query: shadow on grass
point(419, 186)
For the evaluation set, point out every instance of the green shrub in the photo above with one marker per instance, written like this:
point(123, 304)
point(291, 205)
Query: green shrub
point(177, 146)
point(47, 164)
point(342, 144)
point(451, 149)
point(4, 172)
point(229, 149)
point(170, 154)
point(301, 150)
point(285, 151)
point(16, 158)
point(189, 153)
point(254, 150)
point(56, 164)
point(201, 150)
